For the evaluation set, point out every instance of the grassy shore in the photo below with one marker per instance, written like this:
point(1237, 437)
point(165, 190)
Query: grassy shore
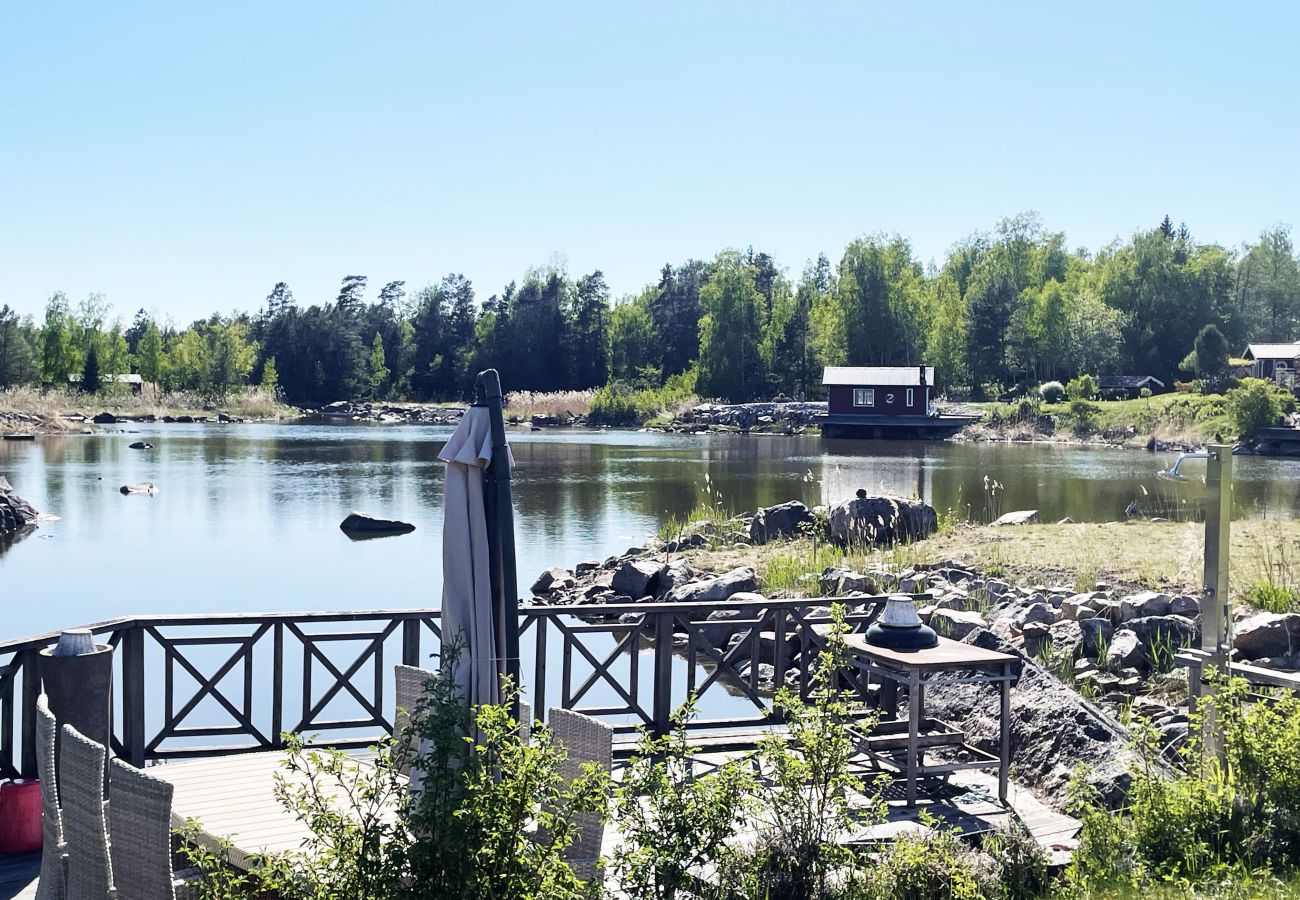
point(1156, 555)
point(1176, 418)
point(46, 408)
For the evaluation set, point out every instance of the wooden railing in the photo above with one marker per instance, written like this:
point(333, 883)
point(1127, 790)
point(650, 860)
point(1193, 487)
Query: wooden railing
point(200, 685)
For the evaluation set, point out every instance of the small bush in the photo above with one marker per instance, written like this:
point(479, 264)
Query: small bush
point(619, 403)
point(1083, 387)
point(1272, 597)
point(1052, 391)
point(1145, 393)
point(1084, 415)
point(1255, 404)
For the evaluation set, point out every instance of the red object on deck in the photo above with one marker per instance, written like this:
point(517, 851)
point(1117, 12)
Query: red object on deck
point(20, 816)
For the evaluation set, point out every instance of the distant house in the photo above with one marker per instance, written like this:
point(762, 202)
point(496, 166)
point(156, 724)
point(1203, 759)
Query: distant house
point(134, 381)
point(1276, 362)
point(879, 390)
point(1131, 385)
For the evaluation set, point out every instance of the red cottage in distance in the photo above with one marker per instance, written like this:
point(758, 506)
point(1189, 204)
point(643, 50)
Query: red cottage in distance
point(885, 402)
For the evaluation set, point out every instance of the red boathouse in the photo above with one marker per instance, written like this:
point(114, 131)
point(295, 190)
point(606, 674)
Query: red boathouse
point(884, 402)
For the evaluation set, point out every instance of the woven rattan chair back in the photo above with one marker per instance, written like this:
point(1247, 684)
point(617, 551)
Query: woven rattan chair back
point(140, 825)
point(81, 784)
point(585, 740)
point(410, 687)
point(51, 885)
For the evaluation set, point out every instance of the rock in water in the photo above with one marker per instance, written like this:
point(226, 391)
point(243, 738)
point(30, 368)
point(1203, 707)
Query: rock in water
point(141, 445)
point(882, 520)
point(147, 488)
point(16, 514)
point(360, 526)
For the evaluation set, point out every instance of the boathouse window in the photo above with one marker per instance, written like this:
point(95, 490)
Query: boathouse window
point(864, 397)
point(909, 398)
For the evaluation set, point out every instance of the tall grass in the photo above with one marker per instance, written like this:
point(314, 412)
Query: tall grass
point(618, 403)
point(252, 401)
point(523, 405)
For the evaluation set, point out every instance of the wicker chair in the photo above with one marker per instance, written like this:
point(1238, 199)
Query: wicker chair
point(81, 783)
point(410, 685)
point(54, 852)
point(140, 824)
point(585, 740)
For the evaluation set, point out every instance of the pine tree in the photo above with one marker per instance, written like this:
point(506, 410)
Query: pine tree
point(90, 371)
point(375, 367)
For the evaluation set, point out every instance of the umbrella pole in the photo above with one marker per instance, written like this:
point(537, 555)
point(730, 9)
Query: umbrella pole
point(501, 533)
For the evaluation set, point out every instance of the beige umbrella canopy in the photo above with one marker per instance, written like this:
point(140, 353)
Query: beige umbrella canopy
point(476, 612)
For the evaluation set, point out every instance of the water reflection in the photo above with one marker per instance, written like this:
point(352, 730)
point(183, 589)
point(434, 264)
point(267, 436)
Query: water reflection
point(247, 518)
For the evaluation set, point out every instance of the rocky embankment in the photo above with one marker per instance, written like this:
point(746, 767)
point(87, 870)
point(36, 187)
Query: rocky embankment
point(387, 413)
point(17, 516)
point(785, 417)
point(1087, 659)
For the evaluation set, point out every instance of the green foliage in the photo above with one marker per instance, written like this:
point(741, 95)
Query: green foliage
point(1272, 597)
point(270, 377)
point(1255, 404)
point(1209, 356)
point(621, 404)
point(1221, 817)
point(219, 879)
point(1145, 393)
point(1084, 387)
point(1052, 391)
point(478, 797)
point(929, 866)
point(378, 372)
point(676, 823)
point(805, 798)
point(356, 846)
point(733, 317)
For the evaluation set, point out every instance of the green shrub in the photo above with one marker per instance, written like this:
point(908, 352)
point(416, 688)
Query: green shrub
point(1145, 393)
point(1217, 818)
point(1052, 391)
point(1272, 597)
point(1255, 404)
point(1084, 416)
point(1084, 387)
point(619, 403)
point(676, 823)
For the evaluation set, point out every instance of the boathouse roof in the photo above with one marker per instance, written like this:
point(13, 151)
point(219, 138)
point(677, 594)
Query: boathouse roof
point(872, 375)
point(1127, 381)
point(1273, 351)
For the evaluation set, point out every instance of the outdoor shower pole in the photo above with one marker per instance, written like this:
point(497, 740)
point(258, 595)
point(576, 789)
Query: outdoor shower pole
point(1218, 523)
point(1215, 611)
point(502, 524)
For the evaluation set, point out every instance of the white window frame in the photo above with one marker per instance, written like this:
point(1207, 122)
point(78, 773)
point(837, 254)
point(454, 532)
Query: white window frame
point(910, 398)
point(864, 396)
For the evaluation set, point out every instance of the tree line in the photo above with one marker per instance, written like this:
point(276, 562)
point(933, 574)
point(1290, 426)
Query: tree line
point(1013, 306)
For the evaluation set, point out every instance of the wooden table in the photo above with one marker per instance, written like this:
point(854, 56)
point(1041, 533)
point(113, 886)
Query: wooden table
point(233, 797)
point(951, 662)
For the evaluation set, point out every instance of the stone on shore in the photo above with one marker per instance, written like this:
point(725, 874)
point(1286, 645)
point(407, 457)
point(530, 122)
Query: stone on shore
point(1267, 635)
point(16, 514)
point(720, 587)
point(882, 520)
point(780, 521)
point(553, 579)
point(633, 578)
point(1019, 517)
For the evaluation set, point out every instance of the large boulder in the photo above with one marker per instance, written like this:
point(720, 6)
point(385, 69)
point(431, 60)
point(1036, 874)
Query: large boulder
point(1097, 633)
point(956, 623)
point(1125, 651)
point(16, 514)
point(634, 576)
point(1019, 517)
point(1147, 603)
point(882, 520)
point(1267, 634)
point(1053, 730)
point(720, 587)
point(780, 521)
point(357, 525)
point(552, 580)
point(1163, 636)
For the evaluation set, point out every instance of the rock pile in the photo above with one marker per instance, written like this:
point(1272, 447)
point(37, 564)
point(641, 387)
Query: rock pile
point(17, 516)
point(388, 414)
point(751, 415)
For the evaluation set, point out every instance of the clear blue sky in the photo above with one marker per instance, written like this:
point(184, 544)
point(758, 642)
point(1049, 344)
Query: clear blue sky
point(183, 157)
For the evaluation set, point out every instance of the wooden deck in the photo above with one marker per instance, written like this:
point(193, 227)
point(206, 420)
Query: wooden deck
point(232, 796)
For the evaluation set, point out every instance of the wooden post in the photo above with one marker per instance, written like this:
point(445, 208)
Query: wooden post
point(31, 690)
point(663, 677)
point(133, 700)
point(411, 642)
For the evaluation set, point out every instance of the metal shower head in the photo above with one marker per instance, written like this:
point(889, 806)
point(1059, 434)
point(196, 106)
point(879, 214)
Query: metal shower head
point(1172, 473)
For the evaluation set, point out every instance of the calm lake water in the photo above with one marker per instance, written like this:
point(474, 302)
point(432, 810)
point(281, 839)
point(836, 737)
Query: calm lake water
point(247, 518)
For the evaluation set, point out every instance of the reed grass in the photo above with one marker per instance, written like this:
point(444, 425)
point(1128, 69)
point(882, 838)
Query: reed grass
point(523, 405)
point(251, 402)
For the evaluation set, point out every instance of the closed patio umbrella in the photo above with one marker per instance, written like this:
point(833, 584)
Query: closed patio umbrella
point(479, 600)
